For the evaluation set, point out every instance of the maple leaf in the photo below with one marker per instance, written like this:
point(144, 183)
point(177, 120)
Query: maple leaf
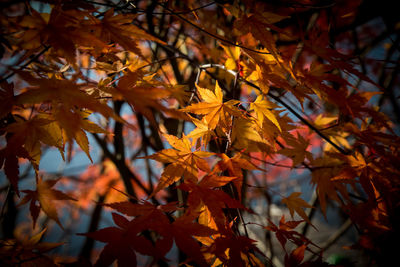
point(122, 242)
point(149, 217)
point(119, 28)
point(295, 203)
point(179, 92)
point(324, 179)
point(233, 60)
point(6, 98)
point(202, 130)
point(73, 124)
point(27, 252)
point(246, 135)
point(184, 162)
point(61, 29)
point(236, 63)
point(9, 161)
point(255, 24)
point(42, 129)
point(285, 232)
point(335, 58)
point(216, 111)
point(295, 257)
point(215, 200)
point(234, 167)
point(67, 100)
point(143, 94)
point(61, 91)
point(298, 152)
point(261, 108)
point(182, 230)
point(234, 250)
point(43, 198)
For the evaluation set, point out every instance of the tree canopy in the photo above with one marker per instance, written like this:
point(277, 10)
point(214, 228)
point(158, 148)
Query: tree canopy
point(199, 133)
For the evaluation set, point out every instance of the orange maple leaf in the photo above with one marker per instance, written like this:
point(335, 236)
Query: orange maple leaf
point(139, 89)
point(184, 162)
point(215, 200)
point(73, 124)
point(215, 110)
point(234, 167)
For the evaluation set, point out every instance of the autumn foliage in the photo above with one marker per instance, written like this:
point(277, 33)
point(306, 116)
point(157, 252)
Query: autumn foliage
point(199, 119)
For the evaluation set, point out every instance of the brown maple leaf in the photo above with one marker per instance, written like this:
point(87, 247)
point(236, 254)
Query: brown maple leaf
point(42, 129)
point(9, 161)
point(120, 29)
point(43, 198)
point(6, 98)
point(295, 203)
point(27, 252)
point(298, 150)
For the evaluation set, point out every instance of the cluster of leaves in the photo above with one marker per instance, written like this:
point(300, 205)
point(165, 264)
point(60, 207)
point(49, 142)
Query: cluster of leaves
point(76, 67)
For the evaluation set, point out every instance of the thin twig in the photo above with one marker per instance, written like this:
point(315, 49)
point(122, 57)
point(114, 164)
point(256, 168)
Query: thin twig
point(332, 239)
point(26, 64)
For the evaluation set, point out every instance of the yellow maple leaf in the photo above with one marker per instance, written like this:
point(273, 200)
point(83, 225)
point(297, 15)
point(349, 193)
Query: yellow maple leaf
point(202, 130)
point(232, 62)
point(261, 108)
point(321, 121)
point(246, 135)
